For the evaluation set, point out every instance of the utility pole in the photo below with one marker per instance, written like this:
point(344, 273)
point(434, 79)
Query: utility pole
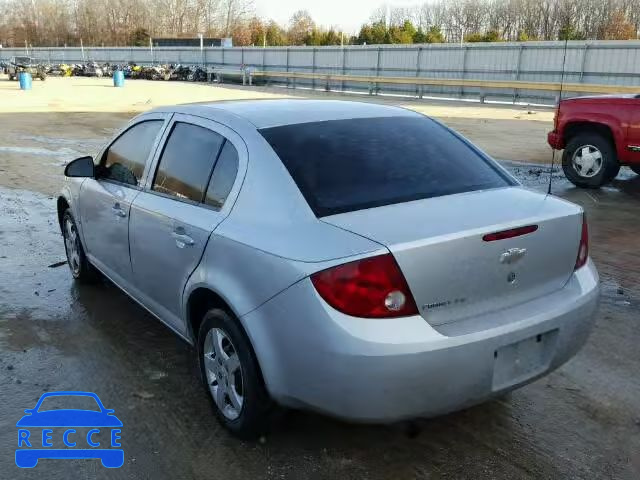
point(82, 50)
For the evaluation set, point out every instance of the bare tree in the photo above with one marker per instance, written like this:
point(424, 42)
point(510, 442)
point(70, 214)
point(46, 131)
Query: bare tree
point(235, 12)
point(300, 27)
point(114, 22)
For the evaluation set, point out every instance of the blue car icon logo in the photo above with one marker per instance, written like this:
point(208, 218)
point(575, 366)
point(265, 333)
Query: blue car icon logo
point(69, 433)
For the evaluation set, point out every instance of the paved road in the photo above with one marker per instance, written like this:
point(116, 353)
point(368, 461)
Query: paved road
point(583, 421)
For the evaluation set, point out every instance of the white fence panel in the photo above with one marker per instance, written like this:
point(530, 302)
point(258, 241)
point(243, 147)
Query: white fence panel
point(601, 62)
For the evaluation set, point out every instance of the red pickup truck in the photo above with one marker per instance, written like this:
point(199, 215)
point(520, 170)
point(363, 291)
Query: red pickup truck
point(598, 134)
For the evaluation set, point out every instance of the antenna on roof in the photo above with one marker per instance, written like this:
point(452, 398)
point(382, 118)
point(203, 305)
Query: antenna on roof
point(553, 150)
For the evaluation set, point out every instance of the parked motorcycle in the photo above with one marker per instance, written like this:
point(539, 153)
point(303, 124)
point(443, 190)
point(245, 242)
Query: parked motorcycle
point(179, 72)
point(92, 69)
point(59, 70)
point(197, 74)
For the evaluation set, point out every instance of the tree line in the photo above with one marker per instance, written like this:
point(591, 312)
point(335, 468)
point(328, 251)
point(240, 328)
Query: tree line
point(133, 22)
point(508, 20)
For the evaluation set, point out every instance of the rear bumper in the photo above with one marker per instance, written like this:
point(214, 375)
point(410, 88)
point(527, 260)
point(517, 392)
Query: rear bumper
point(555, 140)
point(385, 370)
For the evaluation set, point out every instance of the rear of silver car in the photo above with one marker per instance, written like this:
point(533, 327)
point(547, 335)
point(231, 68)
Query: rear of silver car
point(477, 334)
point(479, 290)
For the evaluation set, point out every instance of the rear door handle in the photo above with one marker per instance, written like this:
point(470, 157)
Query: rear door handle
point(117, 210)
point(182, 239)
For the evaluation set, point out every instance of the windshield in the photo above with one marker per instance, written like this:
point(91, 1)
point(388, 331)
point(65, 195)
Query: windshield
point(347, 165)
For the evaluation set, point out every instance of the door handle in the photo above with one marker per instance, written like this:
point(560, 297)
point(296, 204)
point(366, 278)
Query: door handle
point(117, 210)
point(183, 240)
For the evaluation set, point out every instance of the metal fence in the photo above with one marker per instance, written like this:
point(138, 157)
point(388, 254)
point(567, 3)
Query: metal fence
point(597, 62)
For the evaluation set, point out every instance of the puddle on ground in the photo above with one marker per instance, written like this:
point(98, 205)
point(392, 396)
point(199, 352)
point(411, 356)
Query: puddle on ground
point(62, 141)
point(537, 177)
point(61, 153)
point(62, 150)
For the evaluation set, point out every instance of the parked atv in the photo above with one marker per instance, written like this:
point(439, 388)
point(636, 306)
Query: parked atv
point(77, 70)
point(92, 69)
point(136, 71)
point(30, 65)
point(156, 73)
point(60, 70)
point(179, 72)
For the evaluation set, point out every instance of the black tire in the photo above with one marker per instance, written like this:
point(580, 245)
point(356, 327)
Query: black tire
point(594, 141)
point(42, 77)
point(635, 168)
point(80, 267)
point(11, 78)
point(254, 413)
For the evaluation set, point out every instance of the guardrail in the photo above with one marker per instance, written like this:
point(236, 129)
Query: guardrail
point(375, 81)
point(221, 73)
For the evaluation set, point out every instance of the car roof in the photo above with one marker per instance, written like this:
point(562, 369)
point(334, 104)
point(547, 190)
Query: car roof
point(276, 112)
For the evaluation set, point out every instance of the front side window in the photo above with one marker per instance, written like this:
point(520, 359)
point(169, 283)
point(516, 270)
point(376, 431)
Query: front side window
point(186, 162)
point(125, 159)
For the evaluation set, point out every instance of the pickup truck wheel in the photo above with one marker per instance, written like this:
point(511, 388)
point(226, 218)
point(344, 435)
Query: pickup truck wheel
point(636, 169)
point(79, 265)
point(231, 375)
point(589, 160)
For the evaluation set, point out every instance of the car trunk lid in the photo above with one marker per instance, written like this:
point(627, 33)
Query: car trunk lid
point(452, 270)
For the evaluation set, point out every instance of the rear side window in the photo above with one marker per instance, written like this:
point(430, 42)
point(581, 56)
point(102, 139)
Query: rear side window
point(347, 165)
point(125, 158)
point(224, 175)
point(186, 162)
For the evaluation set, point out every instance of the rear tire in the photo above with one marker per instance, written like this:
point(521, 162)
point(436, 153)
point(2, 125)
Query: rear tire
point(636, 169)
point(590, 161)
point(231, 376)
point(79, 265)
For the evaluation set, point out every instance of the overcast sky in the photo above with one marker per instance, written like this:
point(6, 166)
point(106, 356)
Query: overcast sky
point(346, 14)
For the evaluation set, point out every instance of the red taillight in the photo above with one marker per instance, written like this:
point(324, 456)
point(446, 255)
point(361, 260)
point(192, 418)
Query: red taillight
point(583, 250)
point(514, 232)
point(373, 287)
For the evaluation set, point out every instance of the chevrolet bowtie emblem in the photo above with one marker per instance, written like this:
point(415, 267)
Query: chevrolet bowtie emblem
point(512, 255)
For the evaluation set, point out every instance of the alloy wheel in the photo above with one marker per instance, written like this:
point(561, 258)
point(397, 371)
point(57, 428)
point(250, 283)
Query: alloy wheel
point(224, 373)
point(587, 161)
point(71, 246)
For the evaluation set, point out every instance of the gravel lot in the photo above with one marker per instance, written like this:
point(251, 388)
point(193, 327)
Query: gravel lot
point(62, 118)
point(582, 421)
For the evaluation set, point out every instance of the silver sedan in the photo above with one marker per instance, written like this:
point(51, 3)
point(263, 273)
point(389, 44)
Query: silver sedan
point(359, 260)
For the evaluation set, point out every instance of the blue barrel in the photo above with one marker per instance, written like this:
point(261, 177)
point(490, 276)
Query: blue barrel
point(25, 80)
point(118, 78)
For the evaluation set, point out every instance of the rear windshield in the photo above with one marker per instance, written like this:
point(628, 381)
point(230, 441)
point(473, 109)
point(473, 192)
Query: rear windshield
point(346, 165)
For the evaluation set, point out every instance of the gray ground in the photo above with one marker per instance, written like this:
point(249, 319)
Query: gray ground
point(583, 421)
